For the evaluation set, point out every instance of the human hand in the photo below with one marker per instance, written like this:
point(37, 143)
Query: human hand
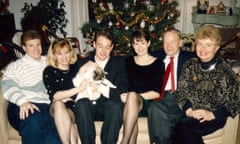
point(201, 114)
point(123, 97)
point(94, 86)
point(25, 108)
point(84, 84)
point(66, 100)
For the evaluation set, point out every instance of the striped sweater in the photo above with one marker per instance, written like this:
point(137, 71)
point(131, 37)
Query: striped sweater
point(22, 81)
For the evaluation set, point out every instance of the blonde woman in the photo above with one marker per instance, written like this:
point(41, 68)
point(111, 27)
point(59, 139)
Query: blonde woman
point(57, 77)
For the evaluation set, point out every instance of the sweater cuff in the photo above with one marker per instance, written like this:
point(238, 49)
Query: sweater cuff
point(187, 105)
point(221, 113)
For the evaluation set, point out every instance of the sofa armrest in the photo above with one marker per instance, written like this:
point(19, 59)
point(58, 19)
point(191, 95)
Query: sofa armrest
point(231, 129)
point(226, 135)
point(4, 125)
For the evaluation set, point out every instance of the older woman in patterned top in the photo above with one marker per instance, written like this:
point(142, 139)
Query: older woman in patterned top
point(208, 91)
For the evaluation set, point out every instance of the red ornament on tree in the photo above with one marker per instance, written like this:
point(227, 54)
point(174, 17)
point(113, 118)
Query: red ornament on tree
point(118, 24)
point(142, 3)
point(162, 2)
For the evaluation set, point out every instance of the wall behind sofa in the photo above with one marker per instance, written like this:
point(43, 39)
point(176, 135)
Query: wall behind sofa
point(77, 14)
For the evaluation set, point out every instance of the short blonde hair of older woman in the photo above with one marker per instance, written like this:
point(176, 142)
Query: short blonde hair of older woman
point(56, 47)
point(209, 32)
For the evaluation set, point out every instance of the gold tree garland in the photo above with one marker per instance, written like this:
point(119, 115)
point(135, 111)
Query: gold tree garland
point(122, 22)
point(137, 18)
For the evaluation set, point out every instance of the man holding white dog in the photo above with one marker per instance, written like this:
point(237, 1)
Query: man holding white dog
point(108, 107)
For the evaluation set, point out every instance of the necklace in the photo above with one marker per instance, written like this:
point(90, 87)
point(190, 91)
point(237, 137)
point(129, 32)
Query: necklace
point(65, 71)
point(210, 68)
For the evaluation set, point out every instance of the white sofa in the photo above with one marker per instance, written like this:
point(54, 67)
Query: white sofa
point(227, 135)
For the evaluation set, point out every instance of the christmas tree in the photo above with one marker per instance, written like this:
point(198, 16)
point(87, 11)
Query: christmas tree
point(125, 16)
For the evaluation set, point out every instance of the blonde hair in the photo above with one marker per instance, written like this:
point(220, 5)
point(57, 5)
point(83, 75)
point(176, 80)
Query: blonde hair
point(55, 47)
point(209, 31)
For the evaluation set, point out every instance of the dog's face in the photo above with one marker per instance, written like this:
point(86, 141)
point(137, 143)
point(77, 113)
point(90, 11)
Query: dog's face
point(93, 72)
point(98, 74)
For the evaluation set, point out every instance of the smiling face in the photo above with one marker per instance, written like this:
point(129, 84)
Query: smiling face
point(206, 49)
point(208, 39)
point(103, 47)
point(33, 48)
point(63, 57)
point(31, 43)
point(141, 46)
point(171, 43)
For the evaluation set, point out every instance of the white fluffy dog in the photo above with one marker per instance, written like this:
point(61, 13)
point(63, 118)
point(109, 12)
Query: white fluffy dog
point(93, 73)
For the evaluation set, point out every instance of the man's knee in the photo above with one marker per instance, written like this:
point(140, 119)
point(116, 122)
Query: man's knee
point(113, 106)
point(82, 106)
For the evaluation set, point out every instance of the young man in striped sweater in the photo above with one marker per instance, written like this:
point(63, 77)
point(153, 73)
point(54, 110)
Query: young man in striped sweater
point(22, 86)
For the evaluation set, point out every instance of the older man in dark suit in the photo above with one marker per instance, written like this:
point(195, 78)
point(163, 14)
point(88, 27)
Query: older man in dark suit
point(107, 108)
point(164, 112)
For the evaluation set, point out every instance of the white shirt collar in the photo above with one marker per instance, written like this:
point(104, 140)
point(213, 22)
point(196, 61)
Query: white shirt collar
point(101, 63)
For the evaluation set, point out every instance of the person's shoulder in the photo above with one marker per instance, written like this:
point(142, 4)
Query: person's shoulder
point(159, 61)
point(13, 67)
point(188, 53)
point(49, 69)
point(130, 57)
point(119, 58)
point(82, 61)
point(158, 53)
point(16, 63)
point(192, 61)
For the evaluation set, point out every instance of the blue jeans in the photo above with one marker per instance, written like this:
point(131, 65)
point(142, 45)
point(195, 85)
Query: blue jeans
point(38, 128)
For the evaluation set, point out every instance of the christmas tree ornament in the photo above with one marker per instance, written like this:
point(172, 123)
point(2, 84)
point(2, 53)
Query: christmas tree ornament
point(110, 23)
point(134, 2)
point(154, 35)
point(142, 24)
point(126, 28)
point(142, 4)
point(102, 7)
point(126, 5)
point(132, 14)
point(162, 2)
point(110, 6)
point(94, 1)
point(170, 1)
point(171, 14)
point(147, 2)
point(151, 28)
point(99, 19)
point(150, 7)
point(118, 24)
point(160, 38)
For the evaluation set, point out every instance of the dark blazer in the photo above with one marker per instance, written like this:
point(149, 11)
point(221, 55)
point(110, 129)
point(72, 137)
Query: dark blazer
point(182, 58)
point(116, 73)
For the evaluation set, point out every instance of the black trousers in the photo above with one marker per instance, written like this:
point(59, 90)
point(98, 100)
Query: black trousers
point(108, 111)
point(190, 131)
point(162, 118)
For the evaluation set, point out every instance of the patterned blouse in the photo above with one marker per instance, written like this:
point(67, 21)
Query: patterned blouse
point(209, 89)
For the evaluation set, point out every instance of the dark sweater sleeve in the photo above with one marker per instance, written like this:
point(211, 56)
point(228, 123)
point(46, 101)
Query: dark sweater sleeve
point(221, 114)
point(49, 82)
point(119, 78)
